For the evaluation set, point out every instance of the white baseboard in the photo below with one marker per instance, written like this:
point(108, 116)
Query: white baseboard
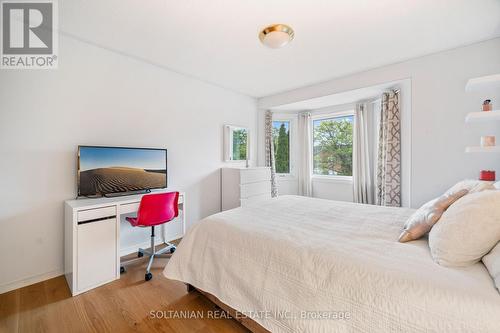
point(29, 281)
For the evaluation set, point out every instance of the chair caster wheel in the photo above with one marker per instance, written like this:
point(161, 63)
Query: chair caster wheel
point(148, 276)
point(140, 254)
point(122, 269)
point(172, 249)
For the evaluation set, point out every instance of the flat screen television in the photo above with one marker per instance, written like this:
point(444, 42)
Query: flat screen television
point(112, 170)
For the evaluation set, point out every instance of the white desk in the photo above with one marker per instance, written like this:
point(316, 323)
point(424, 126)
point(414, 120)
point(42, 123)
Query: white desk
point(92, 246)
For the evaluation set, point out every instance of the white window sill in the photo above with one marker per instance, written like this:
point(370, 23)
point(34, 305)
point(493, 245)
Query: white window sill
point(332, 179)
point(286, 176)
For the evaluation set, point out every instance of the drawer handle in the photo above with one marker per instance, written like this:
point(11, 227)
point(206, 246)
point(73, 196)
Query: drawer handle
point(96, 220)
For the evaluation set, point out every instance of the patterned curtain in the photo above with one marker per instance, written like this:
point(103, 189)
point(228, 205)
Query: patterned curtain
point(389, 152)
point(270, 162)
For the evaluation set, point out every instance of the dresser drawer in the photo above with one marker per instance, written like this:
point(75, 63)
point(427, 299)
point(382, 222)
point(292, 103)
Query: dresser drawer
point(248, 200)
point(254, 175)
point(97, 213)
point(252, 189)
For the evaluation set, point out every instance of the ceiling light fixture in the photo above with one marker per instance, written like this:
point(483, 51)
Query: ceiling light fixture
point(276, 35)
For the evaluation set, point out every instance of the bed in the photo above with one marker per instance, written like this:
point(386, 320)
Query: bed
point(297, 264)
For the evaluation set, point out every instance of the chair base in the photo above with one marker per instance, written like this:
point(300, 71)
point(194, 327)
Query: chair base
point(150, 253)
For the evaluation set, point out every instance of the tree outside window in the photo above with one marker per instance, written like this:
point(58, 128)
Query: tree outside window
point(281, 140)
point(332, 146)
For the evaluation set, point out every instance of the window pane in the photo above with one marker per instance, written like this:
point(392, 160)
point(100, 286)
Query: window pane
point(332, 146)
point(239, 144)
point(281, 140)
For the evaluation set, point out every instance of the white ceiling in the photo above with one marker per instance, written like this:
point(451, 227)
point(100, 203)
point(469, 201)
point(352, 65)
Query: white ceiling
point(217, 40)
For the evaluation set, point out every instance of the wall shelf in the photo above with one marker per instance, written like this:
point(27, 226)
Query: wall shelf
point(480, 83)
point(481, 116)
point(477, 149)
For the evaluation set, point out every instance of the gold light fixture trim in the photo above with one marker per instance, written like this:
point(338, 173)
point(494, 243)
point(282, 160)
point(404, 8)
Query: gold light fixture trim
point(280, 28)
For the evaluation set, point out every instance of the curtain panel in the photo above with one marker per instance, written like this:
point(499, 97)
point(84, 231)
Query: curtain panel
point(363, 185)
point(389, 152)
point(305, 160)
point(270, 162)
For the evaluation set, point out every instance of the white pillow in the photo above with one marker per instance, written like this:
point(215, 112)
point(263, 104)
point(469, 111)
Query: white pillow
point(492, 263)
point(497, 185)
point(471, 185)
point(425, 217)
point(467, 230)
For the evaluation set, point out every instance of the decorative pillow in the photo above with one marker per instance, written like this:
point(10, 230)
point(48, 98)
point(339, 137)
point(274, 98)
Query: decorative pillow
point(492, 263)
point(467, 230)
point(425, 217)
point(472, 186)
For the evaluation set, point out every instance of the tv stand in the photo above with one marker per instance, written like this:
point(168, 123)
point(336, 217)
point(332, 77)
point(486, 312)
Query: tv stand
point(124, 194)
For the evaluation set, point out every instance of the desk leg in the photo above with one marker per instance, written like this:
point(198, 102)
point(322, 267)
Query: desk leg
point(184, 216)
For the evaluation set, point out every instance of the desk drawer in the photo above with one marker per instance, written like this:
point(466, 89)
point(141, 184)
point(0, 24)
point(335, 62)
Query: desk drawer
point(97, 213)
point(134, 206)
point(129, 208)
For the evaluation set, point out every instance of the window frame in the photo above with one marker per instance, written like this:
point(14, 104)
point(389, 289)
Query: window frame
point(228, 144)
point(292, 119)
point(325, 116)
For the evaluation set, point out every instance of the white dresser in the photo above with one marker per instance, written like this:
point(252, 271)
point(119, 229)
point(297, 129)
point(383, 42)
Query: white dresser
point(241, 185)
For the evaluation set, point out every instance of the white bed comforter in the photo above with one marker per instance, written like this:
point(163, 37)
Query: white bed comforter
point(277, 258)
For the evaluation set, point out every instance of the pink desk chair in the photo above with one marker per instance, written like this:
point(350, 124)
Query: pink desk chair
point(154, 209)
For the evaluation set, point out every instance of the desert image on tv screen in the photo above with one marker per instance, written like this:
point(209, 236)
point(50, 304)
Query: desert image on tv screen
point(106, 170)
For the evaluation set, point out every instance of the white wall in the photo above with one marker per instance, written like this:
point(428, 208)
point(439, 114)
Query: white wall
point(98, 97)
point(439, 105)
point(332, 189)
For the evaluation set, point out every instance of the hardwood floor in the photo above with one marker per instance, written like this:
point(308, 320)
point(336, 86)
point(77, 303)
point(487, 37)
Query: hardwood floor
point(124, 305)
